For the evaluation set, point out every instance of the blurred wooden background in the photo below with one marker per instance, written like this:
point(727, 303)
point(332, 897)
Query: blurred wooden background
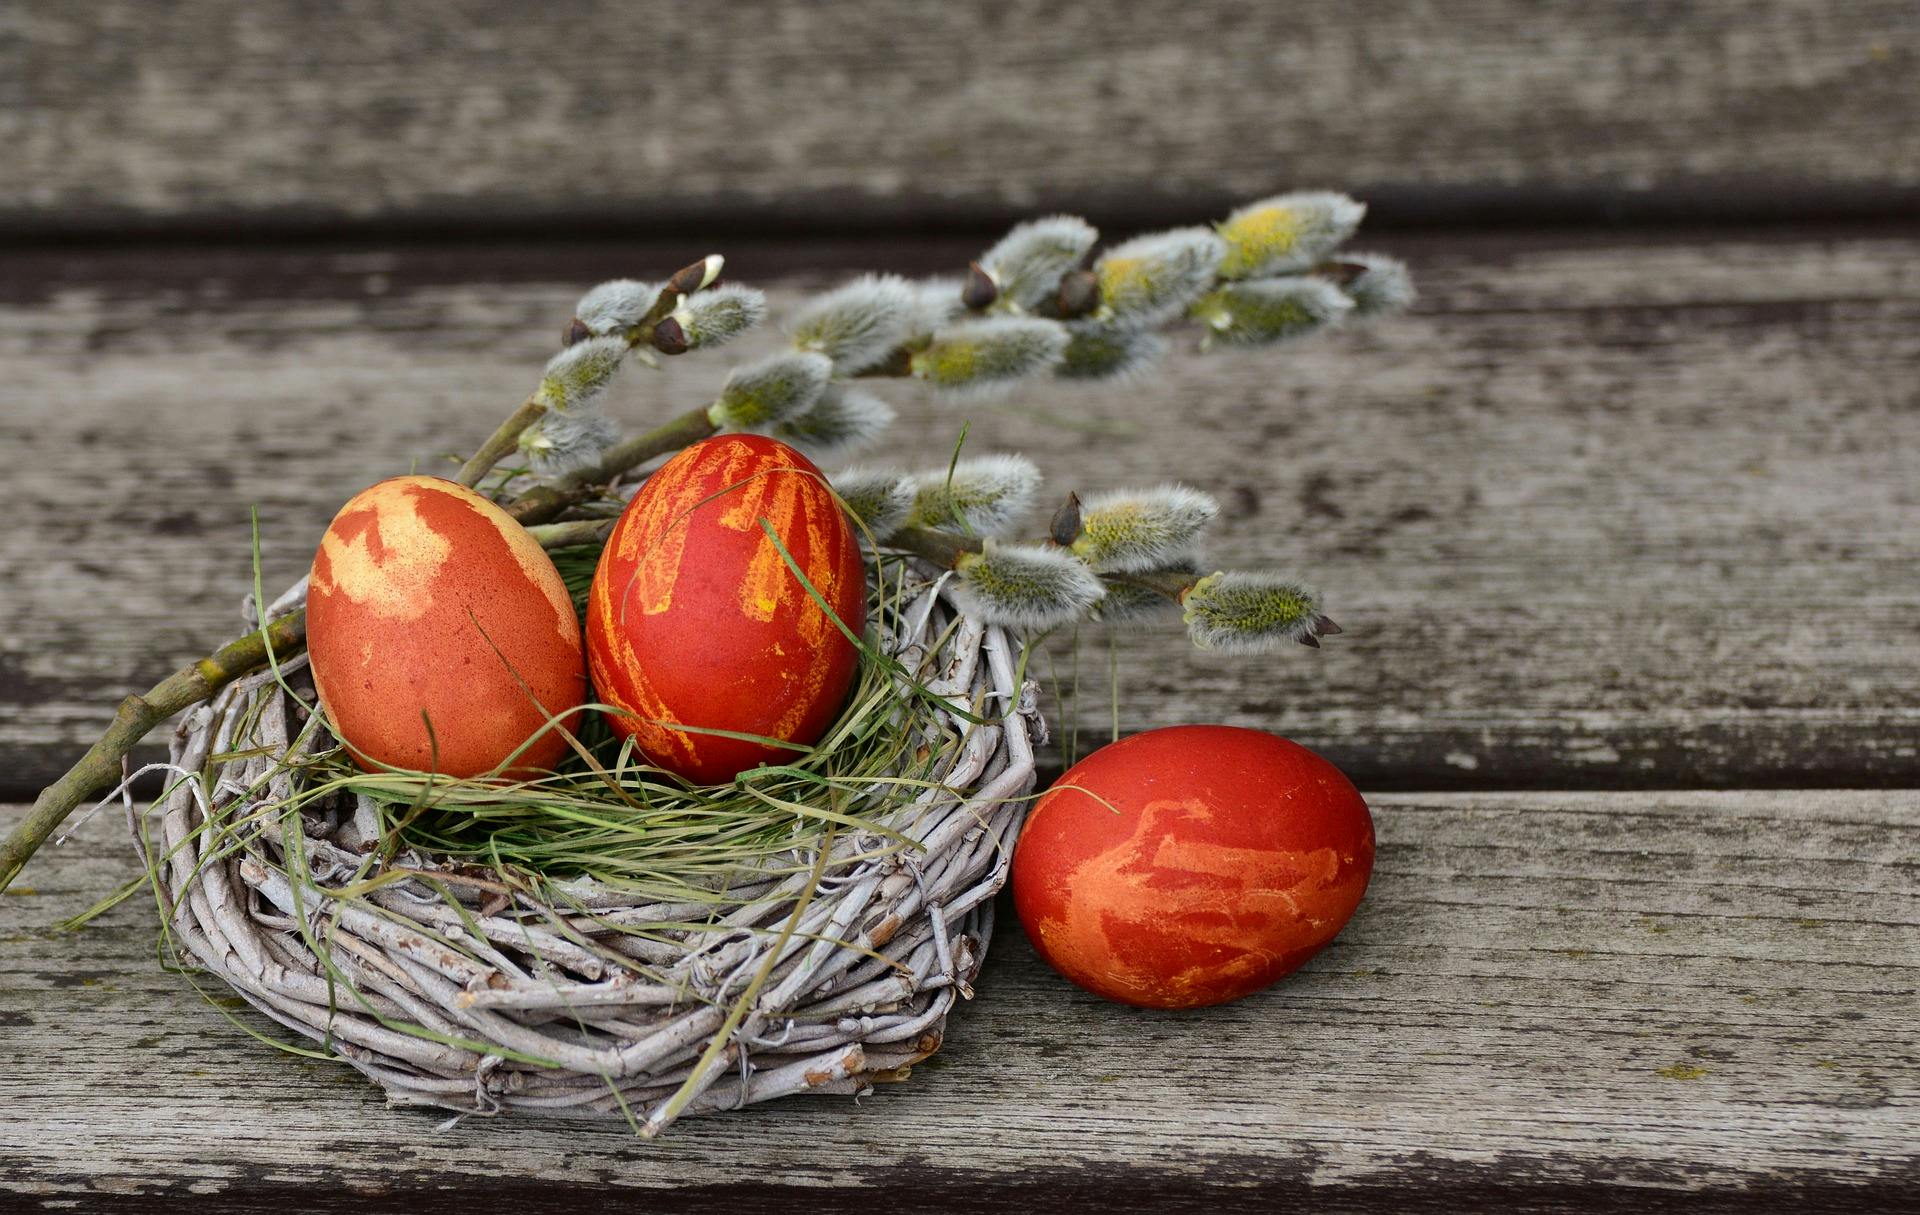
point(214, 117)
point(1629, 505)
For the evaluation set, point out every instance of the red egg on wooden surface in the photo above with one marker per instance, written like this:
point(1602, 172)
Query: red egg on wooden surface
point(1191, 865)
point(427, 597)
point(695, 619)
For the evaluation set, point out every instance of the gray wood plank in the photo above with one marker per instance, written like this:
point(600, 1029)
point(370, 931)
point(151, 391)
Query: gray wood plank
point(485, 113)
point(1548, 1001)
point(1630, 514)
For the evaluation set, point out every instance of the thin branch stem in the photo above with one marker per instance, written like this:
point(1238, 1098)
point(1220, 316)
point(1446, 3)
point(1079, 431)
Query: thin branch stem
point(690, 427)
point(506, 437)
point(543, 502)
point(99, 768)
point(944, 549)
point(501, 442)
point(572, 533)
point(1174, 584)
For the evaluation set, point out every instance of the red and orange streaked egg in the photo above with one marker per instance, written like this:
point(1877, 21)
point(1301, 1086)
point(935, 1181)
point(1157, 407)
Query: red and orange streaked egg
point(427, 598)
point(696, 620)
point(1191, 865)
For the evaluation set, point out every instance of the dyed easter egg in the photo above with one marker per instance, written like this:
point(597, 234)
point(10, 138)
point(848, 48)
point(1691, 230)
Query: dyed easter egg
point(1191, 865)
point(695, 619)
point(427, 598)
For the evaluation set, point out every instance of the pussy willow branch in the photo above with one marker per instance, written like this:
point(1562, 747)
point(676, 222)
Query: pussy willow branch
point(506, 437)
point(501, 442)
point(543, 502)
point(945, 549)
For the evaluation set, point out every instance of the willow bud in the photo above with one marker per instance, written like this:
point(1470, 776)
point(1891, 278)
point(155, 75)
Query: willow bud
point(1382, 286)
point(669, 337)
point(1025, 586)
point(615, 307)
point(1101, 352)
point(1267, 310)
point(842, 421)
point(1079, 295)
point(937, 302)
point(977, 357)
point(768, 392)
point(881, 498)
point(559, 443)
point(580, 373)
point(982, 496)
point(1065, 527)
point(716, 317)
point(1287, 233)
point(697, 277)
point(1026, 266)
point(1251, 613)
point(1152, 279)
point(1127, 531)
point(979, 292)
point(857, 325)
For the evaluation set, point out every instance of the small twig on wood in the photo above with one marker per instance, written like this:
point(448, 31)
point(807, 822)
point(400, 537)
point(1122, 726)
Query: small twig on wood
point(100, 766)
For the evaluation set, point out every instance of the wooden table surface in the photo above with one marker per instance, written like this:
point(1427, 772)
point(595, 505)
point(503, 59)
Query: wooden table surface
point(1602, 520)
point(1623, 524)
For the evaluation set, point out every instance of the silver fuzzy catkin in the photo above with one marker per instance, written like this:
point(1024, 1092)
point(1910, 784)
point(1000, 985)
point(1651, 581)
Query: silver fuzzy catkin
point(1128, 602)
point(1025, 586)
point(713, 318)
point(766, 393)
point(936, 303)
point(1098, 351)
point(560, 443)
point(842, 421)
point(982, 496)
point(1287, 233)
point(981, 357)
point(881, 498)
point(1250, 612)
point(1263, 311)
point(578, 374)
point(1382, 287)
point(1028, 262)
point(616, 306)
point(1131, 530)
point(1151, 279)
point(859, 324)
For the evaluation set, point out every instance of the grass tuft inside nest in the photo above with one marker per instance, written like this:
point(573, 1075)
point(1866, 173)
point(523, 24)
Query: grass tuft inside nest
point(609, 816)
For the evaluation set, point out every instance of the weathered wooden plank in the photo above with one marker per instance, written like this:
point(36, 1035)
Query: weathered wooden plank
point(1547, 1002)
point(485, 113)
point(1639, 514)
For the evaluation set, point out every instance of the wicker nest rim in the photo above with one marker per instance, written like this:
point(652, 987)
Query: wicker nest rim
point(450, 990)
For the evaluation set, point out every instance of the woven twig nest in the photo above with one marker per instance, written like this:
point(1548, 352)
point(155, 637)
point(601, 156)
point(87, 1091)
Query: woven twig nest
point(452, 987)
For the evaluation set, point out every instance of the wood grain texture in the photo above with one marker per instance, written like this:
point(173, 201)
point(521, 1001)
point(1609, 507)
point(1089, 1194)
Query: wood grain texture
point(1547, 1001)
point(486, 114)
point(1631, 514)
